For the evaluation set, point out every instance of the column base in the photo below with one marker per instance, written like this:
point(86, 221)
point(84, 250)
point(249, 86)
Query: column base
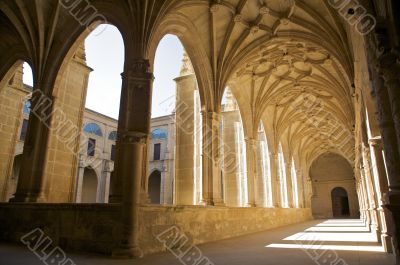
point(127, 253)
point(387, 243)
point(220, 204)
point(251, 205)
point(208, 203)
point(374, 229)
point(28, 198)
point(115, 199)
point(393, 205)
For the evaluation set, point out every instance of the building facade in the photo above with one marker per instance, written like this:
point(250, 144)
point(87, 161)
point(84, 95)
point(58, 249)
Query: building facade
point(97, 153)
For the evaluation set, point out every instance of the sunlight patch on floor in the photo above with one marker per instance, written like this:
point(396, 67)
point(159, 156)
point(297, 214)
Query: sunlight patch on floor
point(329, 247)
point(339, 237)
point(342, 235)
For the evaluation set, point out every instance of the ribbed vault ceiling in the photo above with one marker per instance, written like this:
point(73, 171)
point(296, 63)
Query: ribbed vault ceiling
point(288, 62)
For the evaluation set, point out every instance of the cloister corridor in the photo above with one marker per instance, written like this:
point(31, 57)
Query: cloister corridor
point(339, 242)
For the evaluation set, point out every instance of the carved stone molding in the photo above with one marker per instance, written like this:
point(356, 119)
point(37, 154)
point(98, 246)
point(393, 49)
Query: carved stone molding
point(130, 137)
point(376, 142)
point(138, 68)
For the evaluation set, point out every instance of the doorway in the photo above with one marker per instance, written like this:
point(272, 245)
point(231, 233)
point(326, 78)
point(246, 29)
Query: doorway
point(340, 203)
point(155, 187)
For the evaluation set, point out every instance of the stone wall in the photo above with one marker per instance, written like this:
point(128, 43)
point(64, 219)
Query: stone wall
point(63, 146)
point(94, 227)
point(76, 227)
point(207, 224)
point(11, 103)
point(322, 198)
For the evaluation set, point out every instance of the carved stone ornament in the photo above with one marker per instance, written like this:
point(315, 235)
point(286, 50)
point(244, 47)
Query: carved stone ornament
point(133, 137)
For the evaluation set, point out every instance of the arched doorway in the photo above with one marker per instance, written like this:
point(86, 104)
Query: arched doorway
point(340, 203)
point(155, 187)
point(89, 186)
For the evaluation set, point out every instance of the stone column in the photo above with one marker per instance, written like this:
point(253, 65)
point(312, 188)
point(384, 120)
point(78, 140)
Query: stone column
point(231, 162)
point(360, 200)
point(30, 186)
point(373, 209)
point(185, 137)
point(275, 180)
point(392, 83)
point(261, 175)
point(12, 97)
point(301, 188)
point(366, 204)
point(380, 176)
point(309, 192)
point(79, 181)
point(289, 184)
point(133, 138)
point(105, 186)
point(392, 157)
point(65, 137)
point(211, 165)
point(251, 157)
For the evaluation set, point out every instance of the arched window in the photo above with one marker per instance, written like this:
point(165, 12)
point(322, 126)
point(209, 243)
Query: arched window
point(159, 134)
point(93, 128)
point(113, 136)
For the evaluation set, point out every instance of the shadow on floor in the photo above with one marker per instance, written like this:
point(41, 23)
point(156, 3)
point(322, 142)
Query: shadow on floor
point(339, 242)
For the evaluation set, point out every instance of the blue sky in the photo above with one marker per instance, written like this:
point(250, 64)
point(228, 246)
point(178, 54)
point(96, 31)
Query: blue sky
point(105, 55)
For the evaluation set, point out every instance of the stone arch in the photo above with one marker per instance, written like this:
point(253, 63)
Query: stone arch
point(179, 25)
point(154, 187)
point(89, 186)
point(74, 67)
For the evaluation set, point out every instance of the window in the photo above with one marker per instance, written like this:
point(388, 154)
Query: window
point(91, 147)
point(113, 152)
point(93, 128)
point(157, 152)
point(113, 136)
point(159, 134)
point(27, 107)
point(24, 129)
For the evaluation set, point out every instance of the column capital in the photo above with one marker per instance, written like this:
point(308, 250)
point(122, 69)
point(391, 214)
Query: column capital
point(108, 166)
point(214, 7)
point(250, 141)
point(138, 69)
point(82, 163)
point(375, 141)
point(132, 137)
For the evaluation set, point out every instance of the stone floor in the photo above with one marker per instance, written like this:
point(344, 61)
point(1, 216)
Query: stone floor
point(339, 242)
